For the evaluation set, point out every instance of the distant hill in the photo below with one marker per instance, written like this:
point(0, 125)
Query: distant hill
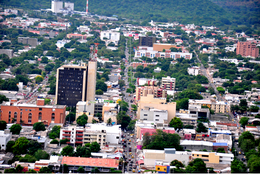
point(204, 12)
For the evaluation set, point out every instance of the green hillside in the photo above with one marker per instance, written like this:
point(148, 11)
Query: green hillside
point(203, 12)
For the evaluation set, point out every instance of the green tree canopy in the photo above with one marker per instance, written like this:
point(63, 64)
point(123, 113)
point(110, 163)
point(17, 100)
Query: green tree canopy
point(20, 146)
point(67, 151)
point(201, 128)
point(39, 126)
point(196, 166)
point(176, 123)
point(15, 129)
point(94, 147)
point(238, 166)
point(243, 121)
point(2, 125)
point(82, 151)
point(41, 154)
point(82, 120)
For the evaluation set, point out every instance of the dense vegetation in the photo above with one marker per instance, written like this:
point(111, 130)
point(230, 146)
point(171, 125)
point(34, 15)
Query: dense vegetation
point(186, 11)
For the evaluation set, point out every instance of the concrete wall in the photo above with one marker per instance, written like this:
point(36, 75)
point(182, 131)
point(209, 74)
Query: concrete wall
point(8, 52)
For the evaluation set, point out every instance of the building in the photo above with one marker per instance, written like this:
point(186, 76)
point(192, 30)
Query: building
point(144, 51)
point(75, 83)
point(168, 83)
point(156, 103)
point(109, 109)
point(8, 52)
point(155, 115)
point(110, 36)
point(28, 41)
point(147, 41)
point(103, 164)
point(166, 155)
point(145, 81)
point(216, 106)
point(69, 6)
point(32, 113)
point(144, 64)
point(56, 6)
point(5, 136)
point(201, 145)
point(78, 36)
point(163, 46)
point(194, 71)
point(247, 49)
point(213, 157)
point(100, 133)
point(145, 90)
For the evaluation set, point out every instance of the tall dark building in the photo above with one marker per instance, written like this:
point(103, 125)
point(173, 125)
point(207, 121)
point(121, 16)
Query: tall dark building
point(72, 84)
point(147, 41)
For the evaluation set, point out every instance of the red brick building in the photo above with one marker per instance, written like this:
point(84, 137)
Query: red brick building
point(31, 113)
point(247, 49)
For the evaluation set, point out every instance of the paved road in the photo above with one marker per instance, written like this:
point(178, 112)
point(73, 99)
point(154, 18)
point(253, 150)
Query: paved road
point(206, 74)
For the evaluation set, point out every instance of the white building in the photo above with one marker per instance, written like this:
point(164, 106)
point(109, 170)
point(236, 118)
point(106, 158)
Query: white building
point(69, 6)
point(155, 115)
point(168, 83)
point(235, 61)
point(56, 6)
point(5, 136)
point(110, 36)
point(83, 28)
point(144, 51)
point(61, 43)
point(194, 71)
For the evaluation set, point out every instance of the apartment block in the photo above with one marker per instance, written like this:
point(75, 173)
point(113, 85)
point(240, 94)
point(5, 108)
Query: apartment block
point(145, 90)
point(194, 71)
point(217, 106)
point(150, 101)
point(247, 49)
point(5, 136)
point(29, 114)
point(78, 36)
point(110, 36)
point(28, 41)
point(72, 133)
point(8, 52)
point(155, 115)
point(75, 83)
point(147, 41)
point(145, 81)
point(213, 157)
point(168, 83)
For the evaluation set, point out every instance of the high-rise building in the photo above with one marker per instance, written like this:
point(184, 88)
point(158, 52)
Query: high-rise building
point(145, 90)
point(56, 6)
point(247, 49)
point(147, 41)
point(168, 83)
point(75, 83)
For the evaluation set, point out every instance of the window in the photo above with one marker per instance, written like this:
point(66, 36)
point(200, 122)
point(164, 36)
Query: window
point(40, 109)
point(21, 115)
point(156, 119)
point(9, 119)
point(15, 115)
point(157, 115)
point(205, 156)
point(145, 114)
point(40, 116)
point(30, 118)
point(52, 116)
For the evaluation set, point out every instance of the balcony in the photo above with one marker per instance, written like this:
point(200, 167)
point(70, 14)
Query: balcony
point(66, 131)
point(66, 135)
point(79, 142)
point(79, 134)
point(79, 138)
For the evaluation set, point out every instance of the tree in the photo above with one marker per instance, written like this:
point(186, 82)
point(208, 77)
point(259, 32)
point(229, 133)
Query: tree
point(99, 92)
point(82, 120)
point(44, 60)
point(245, 135)
point(81, 170)
point(82, 151)
point(20, 146)
point(47, 101)
point(9, 146)
point(55, 132)
point(94, 147)
point(221, 150)
point(131, 125)
point(221, 90)
point(39, 126)
point(39, 79)
point(247, 144)
point(176, 163)
point(15, 129)
point(109, 121)
point(176, 123)
point(123, 105)
point(41, 154)
point(243, 121)
point(54, 141)
point(45, 170)
point(33, 146)
point(67, 151)
point(121, 83)
point(201, 128)
point(31, 171)
point(238, 166)
point(3, 98)
point(28, 158)
point(64, 141)
point(196, 166)
point(95, 170)
point(71, 117)
point(101, 85)
point(2, 125)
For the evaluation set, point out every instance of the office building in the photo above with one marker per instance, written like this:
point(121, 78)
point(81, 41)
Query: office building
point(75, 83)
point(56, 6)
point(246, 49)
point(145, 90)
point(216, 106)
point(168, 83)
point(213, 157)
point(147, 41)
point(29, 114)
point(110, 36)
point(150, 101)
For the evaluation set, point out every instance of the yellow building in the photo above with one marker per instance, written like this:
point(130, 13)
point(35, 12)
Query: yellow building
point(217, 106)
point(157, 103)
point(213, 157)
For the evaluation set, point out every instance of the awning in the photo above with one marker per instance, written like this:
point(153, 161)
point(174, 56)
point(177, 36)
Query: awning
point(140, 162)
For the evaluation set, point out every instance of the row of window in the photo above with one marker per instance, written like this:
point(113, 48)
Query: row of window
point(29, 116)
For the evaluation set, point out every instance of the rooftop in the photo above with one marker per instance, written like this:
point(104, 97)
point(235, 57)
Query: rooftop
point(93, 162)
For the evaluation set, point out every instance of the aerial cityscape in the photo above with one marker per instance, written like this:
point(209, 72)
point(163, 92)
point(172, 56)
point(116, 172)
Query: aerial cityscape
point(141, 86)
